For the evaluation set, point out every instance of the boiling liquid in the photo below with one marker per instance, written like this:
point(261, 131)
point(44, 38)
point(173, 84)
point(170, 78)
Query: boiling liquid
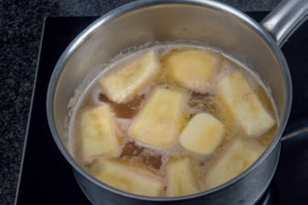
point(156, 159)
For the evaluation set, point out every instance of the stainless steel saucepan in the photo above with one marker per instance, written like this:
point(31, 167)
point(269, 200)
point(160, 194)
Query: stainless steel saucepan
point(211, 22)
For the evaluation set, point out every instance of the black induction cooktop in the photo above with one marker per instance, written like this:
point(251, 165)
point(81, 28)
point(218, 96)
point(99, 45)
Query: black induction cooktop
point(46, 178)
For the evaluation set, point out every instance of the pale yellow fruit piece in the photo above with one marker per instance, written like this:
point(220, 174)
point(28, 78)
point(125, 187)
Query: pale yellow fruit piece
point(122, 84)
point(238, 156)
point(202, 134)
point(98, 135)
point(158, 122)
point(128, 178)
point(244, 105)
point(194, 69)
point(181, 178)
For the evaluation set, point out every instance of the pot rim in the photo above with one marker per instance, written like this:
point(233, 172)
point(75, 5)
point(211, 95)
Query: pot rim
point(127, 8)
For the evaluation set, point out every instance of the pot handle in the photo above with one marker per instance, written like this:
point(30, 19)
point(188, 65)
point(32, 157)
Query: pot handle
point(285, 19)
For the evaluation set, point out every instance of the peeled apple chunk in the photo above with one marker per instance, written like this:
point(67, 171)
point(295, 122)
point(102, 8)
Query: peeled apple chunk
point(202, 134)
point(244, 105)
point(122, 84)
point(125, 177)
point(98, 136)
point(181, 178)
point(194, 69)
point(157, 123)
point(238, 156)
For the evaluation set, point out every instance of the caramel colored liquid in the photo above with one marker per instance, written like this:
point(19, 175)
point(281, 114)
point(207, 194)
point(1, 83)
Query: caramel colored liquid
point(156, 159)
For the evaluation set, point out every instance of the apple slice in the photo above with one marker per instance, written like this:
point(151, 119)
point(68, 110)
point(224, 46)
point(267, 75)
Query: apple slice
point(194, 69)
point(157, 123)
point(244, 105)
point(128, 178)
point(238, 156)
point(202, 134)
point(98, 136)
point(123, 83)
point(181, 178)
